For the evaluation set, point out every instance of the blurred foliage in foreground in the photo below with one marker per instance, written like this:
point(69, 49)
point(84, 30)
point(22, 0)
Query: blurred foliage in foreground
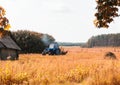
point(107, 10)
point(4, 22)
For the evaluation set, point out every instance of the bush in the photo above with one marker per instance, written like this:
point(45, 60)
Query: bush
point(29, 41)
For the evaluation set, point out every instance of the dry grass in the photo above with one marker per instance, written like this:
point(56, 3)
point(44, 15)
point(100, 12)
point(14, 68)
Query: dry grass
point(81, 66)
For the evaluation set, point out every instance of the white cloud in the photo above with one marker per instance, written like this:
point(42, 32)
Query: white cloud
point(55, 6)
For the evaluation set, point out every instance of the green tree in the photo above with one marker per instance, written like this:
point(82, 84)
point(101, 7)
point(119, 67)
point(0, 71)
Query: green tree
point(104, 40)
point(31, 42)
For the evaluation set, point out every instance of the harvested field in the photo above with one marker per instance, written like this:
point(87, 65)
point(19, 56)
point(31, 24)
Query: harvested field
point(81, 66)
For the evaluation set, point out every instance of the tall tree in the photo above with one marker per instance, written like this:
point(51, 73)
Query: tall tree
point(104, 40)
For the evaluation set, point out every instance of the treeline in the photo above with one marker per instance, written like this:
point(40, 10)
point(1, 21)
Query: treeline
point(70, 44)
point(104, 40)
point(31, 42)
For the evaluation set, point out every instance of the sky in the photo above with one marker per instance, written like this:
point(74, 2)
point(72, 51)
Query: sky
point(65, 20)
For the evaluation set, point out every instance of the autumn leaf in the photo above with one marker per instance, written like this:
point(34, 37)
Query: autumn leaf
point(4, 22)
point(7, 27)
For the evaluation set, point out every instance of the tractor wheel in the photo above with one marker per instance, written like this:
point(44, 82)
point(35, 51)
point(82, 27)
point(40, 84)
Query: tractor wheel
point(43, 53)
point(57, 52)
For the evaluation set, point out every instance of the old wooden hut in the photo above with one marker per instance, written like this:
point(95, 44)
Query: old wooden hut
point(8, 48)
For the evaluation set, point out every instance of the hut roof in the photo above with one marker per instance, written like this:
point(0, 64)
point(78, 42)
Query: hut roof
point(8, 42)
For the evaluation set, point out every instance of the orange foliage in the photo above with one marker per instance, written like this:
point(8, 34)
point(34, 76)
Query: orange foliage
point(4, 22)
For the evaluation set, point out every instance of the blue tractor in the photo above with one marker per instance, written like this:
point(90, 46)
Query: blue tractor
point(53, 49)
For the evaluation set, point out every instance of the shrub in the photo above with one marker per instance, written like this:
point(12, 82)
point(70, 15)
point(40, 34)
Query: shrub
point(29, 41)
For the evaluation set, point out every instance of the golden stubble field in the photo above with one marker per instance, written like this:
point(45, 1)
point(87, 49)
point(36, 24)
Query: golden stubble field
point(81, 66)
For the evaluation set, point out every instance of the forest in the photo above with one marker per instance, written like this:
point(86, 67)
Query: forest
point(104, 40)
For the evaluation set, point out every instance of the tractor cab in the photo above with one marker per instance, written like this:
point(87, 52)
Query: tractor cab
point(54, 46)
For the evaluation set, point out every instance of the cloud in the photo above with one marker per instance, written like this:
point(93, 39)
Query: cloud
point(56, 6)
point(63, 9)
